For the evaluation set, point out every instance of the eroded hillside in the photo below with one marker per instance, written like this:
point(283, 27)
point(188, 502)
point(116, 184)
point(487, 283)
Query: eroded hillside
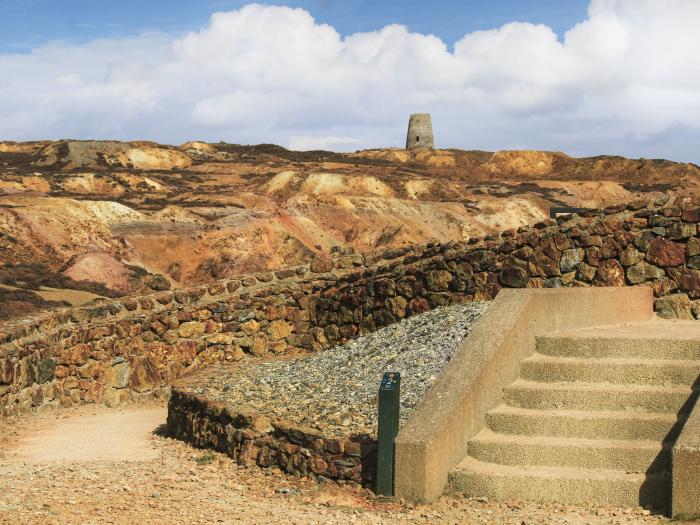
point(105, 218)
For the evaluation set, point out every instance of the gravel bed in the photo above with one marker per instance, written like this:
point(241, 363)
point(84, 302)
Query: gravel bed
point(336, 390)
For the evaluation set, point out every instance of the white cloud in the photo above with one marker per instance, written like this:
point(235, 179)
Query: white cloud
point(625, 81)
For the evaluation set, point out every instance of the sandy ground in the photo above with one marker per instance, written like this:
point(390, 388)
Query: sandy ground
point(97, 465)
point(124, 435)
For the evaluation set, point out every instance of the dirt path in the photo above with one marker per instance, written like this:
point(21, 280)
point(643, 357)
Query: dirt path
point(119, 435)
point(96, 465)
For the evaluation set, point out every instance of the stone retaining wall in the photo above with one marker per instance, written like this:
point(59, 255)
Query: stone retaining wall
point(119, 350)
point(253, 439)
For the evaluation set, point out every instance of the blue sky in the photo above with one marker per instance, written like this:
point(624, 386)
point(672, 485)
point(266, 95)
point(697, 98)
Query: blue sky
point(583, 77)
point(25, 24)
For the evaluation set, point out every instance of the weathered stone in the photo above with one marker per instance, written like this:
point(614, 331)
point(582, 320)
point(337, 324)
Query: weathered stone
point(232, 286)
point(642, 272)
point(660, 221)
point(224, 338)
point(481, 260)
point(691, 215)
point(191, 329)
point(696, 308)
point(6, 371)
point(113, 397)
point(610, 248)
point(535, 282)
point(689, 281)
point(279, 330)
point(571, 259)
point(694, 262)
point(486, 286)
point(216, 288)
point(144, 375)
point(158, 282)
point(664, 286)
point(353, 449)
point(118, 375)
point(438, 280)
point(259, 346)
point(318, 466)
point(592, 240)
point(46, 370)
point(676, 306)
point(594, 256)
point(681, 230)
point(385, 287)
point(130, 304)
point(513, 277)
point(25, 374)
point(665, 253)
point(418, 305)
point(319, 336)
point(609, 273)
point(693, 247)
point(568, 278)
point(90, 370)
point(235, 353)
point(643, 240)
point(630, 255)
point(251, 326)
point(397, 306)
point(553, 282)
point(585, 272)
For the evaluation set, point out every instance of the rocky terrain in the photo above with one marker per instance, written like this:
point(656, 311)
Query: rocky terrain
point(82, 220)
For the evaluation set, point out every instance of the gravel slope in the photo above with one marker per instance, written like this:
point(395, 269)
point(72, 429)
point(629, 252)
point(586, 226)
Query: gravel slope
point(336, 390)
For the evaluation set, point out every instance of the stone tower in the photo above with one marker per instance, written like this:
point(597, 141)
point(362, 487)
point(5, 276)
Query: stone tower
point(420, 131)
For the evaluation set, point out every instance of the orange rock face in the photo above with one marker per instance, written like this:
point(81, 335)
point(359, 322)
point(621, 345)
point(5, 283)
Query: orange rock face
point(112, 213)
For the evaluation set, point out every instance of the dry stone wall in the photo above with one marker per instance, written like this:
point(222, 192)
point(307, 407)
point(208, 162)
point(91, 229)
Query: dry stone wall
point(254, 439)
point(120, 350)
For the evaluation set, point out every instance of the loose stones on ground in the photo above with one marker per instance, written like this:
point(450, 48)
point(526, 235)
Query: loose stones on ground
point(336, 390)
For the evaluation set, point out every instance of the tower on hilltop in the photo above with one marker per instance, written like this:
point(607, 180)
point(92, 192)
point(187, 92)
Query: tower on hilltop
point(420, 131)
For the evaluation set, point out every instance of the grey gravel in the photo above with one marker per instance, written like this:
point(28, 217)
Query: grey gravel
point(336, 390)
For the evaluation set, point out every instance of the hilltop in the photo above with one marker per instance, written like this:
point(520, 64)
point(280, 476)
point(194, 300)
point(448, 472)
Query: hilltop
point(81, 220)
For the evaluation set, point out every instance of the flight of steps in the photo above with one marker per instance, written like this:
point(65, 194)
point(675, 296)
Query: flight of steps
point(591, 420)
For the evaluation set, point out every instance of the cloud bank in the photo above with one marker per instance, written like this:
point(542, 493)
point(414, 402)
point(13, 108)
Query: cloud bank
point(624, 81)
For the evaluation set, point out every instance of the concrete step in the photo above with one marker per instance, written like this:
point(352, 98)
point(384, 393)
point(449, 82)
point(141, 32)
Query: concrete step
point(474, 478)
point(629, 456)
point(599, 396)
point(653, 340)
point(540, 367)
point(585, 424)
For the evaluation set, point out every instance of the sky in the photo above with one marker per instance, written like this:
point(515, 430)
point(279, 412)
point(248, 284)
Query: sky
point(25, 24)
point(584, 77)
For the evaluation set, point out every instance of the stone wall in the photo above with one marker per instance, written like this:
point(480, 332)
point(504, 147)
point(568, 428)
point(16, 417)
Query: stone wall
point(119, 350)
point(253, 439)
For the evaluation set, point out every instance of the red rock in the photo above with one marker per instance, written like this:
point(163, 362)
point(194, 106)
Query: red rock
point(334, 446)
point(418, 305)
point(217, 288)
point(318, 466)
point(665, 253)
point(144, 375)
point(691, 215)
point(610, 273)
point(690, 281)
